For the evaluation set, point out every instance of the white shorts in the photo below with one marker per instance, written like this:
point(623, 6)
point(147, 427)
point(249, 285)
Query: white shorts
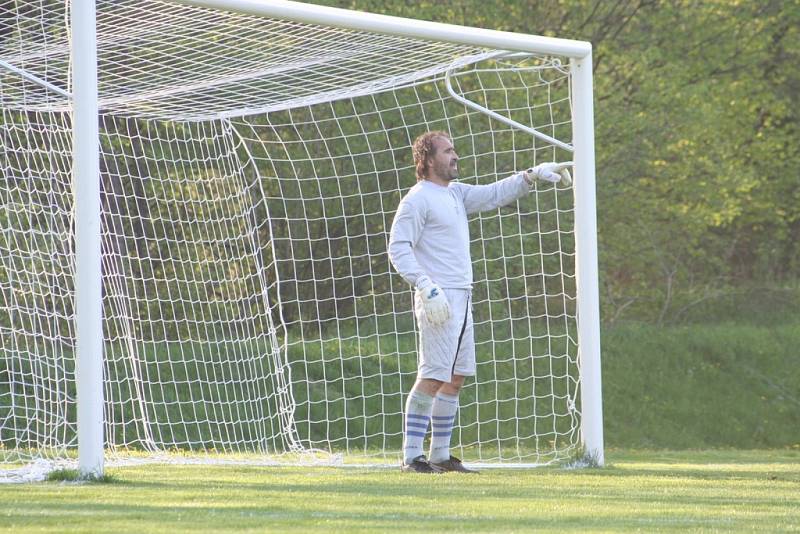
point(448, 349)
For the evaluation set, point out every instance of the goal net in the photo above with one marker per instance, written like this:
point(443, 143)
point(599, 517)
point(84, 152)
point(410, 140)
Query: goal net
point(250, 170)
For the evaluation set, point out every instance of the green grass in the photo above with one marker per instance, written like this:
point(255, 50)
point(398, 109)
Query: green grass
point(637, 491)
point(73, 475)
point(702, 386)
point(718, 385)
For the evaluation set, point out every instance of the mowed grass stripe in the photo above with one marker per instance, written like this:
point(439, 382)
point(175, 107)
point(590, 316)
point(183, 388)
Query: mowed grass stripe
point(645, 491)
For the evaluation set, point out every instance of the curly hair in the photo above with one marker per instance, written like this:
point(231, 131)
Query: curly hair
point(423, 149)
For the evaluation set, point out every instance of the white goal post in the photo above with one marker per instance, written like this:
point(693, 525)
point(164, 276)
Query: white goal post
point(194, 223)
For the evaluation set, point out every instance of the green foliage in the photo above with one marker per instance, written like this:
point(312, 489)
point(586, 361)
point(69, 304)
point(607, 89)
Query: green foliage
point(696, 134)
point(696, 189)
point(696, 129)
point(699, 221)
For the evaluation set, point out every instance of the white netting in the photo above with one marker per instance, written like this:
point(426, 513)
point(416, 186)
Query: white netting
point(250, 172)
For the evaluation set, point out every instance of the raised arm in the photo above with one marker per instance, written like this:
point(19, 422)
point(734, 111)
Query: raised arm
point(488, 197)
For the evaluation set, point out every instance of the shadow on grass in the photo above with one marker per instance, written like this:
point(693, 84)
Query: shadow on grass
point(73, 475)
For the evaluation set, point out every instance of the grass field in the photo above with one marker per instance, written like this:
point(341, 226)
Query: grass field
point(702, 386)
point(636, 491)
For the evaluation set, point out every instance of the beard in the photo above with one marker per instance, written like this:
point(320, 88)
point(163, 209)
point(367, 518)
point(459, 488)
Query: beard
point(445, 171)
point(450, 173)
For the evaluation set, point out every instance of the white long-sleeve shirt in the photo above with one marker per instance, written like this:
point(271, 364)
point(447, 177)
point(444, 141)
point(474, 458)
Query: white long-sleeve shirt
point(430, 233)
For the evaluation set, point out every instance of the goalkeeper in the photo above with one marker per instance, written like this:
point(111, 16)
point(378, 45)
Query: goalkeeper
point(429, 247)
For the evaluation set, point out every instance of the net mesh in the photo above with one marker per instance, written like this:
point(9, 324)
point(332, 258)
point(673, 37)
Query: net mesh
point(250, 173)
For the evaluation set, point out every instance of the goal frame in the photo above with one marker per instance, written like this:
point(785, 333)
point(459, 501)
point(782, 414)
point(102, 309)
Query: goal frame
point(86, 177)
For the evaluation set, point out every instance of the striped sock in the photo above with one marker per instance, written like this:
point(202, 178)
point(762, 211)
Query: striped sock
point(443, 416)
point(418, 413)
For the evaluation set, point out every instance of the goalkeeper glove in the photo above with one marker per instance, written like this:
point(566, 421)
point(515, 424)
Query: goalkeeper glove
point(557, 173)
point(434, 302)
